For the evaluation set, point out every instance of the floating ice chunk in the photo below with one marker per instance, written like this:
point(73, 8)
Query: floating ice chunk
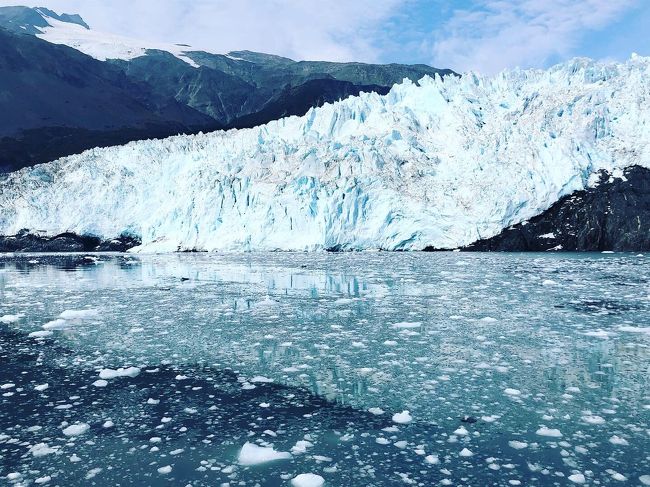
point(466, 453)
point(92, 473)
point(307, 480)
point(512, 392)
point(593, 419)
point(461, 431)
point(167, 469)
point(518, 445)
point(58, 324)
point(7, 319)
point(13, 476)
point(321, 458)
point(553, 433)
point(76, 429)
point(548, 282)
point(577, 478)
point(43, 480)
point(108, 424)
point(41, 387)
point(79, 314)
point(100, 383)
point(618, 476)
point(301, 447)
point(382, 441)
point(251, 454)
point(402, 418)
point(644, 479)
point(432, 459)
point(489, 319)
point(41, 449)
point(8, 385)
point(405, 325)
point(121, 372)
point(617, 440)
point(602, 334)
point(40, 334)
point(376, 411)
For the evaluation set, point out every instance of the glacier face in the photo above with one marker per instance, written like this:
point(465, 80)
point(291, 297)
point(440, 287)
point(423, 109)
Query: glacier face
point(441, 164)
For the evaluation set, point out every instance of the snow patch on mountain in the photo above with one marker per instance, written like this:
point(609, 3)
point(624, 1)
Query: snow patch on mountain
point(441, 164)
point(103, 46)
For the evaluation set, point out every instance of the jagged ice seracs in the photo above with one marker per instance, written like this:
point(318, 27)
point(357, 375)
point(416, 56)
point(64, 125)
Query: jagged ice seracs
point(440, 163)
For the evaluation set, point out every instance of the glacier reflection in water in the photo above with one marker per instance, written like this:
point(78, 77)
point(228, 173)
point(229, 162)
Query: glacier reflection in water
point(519, 367)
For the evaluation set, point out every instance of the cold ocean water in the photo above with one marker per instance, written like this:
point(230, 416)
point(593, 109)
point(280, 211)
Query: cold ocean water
point(362, 369)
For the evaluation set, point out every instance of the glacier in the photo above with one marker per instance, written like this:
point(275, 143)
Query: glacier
point(440, 163)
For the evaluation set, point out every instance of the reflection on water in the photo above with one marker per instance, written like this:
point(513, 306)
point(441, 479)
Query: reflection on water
point(524, 343)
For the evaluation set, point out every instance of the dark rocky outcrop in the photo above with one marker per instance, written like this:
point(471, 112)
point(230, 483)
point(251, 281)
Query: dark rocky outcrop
point(614, 215)
point(24, 241)
point(299, 99)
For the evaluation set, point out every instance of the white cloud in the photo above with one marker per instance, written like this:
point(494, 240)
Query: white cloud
point(340, 30)
point(498, 34)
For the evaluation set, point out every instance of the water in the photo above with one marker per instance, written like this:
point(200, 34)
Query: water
point(516, 369)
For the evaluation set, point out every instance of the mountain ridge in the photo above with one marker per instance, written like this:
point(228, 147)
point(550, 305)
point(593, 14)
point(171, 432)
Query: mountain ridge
point(219, 90)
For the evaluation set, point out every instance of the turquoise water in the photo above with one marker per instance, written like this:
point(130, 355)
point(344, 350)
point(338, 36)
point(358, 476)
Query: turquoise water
point(515, 369)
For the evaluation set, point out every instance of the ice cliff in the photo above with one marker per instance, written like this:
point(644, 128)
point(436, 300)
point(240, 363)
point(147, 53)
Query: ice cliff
point(442, 163)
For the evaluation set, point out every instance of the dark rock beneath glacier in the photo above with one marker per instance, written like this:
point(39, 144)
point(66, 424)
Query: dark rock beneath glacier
point(119, 244)
point(24, 241)
point(614, 215)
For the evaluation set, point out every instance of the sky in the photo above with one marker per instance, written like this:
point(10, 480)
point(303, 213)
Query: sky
point(486, 36)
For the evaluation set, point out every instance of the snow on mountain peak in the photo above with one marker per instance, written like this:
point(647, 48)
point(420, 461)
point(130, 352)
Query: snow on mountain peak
point(48, 14)
point(71, 30)
point(440, 163)
point(32, 20)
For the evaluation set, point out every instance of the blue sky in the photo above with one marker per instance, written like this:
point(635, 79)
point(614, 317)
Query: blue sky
point(481, 35)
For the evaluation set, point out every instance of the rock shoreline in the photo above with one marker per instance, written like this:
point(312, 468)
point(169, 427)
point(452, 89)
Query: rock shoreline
point(24, 241)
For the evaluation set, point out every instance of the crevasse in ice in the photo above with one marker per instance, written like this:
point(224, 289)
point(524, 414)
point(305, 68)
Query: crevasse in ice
point(440, 163)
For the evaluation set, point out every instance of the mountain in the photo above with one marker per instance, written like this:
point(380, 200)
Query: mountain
point(439, 164)
point(63, 102)
point(34, 20)
point(182, 90)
